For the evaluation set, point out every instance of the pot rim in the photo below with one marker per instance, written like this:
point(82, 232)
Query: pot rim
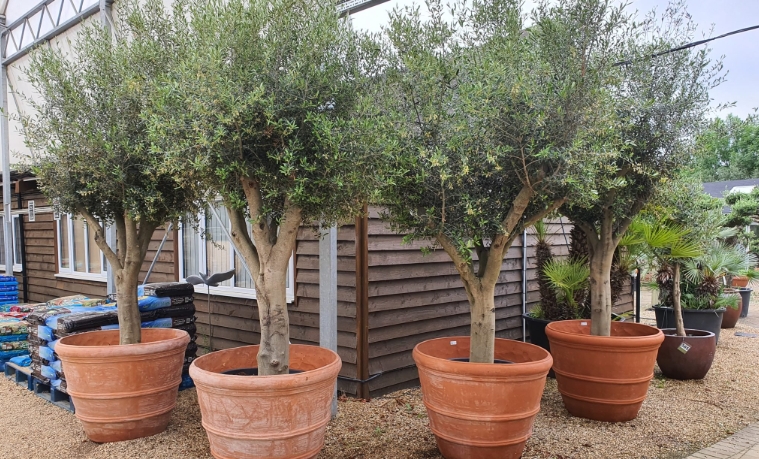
point(707, 334)
point(667, 308)
point(557, 330)
point(67, 351)
point(533, 367)
point(222, 381)
point(527, 316)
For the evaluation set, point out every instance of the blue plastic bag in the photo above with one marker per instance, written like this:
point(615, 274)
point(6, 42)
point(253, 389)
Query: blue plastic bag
point(22, 360)
point(45, 333)
point(47, 353)
point(48, 372)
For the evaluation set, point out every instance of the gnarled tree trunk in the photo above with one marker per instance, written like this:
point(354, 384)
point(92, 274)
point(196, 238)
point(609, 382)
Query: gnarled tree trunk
point(274, 353)
point(601, 258)
point(128, 310)
point(679, 326)
point(482, 345)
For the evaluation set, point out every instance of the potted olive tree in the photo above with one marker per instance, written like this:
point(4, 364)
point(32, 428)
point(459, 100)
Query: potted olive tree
point(258, 109)
point(488, 125)
point(656, 114)
point(93, 157)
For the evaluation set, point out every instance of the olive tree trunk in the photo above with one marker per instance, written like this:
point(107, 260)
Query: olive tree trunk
point(601, 259)
point(677, 306)
point(267, 249)
point(482, 344)
point(132, 240)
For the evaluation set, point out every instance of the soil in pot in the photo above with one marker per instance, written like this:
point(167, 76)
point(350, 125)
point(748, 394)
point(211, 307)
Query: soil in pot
point(695, 319)
point(686, 357)
point(481, 410)
point(266, 417)
point(123, 392)
point(604, 378)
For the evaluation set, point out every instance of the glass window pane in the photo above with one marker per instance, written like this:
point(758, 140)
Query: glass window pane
point(218, 247)
point(77, 234)
point(189, 249)
point(63, 241)
point(242, 278)
point(94, 253)
point(17, 240)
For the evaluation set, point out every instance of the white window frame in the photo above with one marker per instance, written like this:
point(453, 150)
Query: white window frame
point(17, 267)
point(224, 290)
point(70, 272)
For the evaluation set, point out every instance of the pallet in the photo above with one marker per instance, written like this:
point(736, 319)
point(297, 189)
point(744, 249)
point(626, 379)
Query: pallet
point(21, 375)
point(51, 394)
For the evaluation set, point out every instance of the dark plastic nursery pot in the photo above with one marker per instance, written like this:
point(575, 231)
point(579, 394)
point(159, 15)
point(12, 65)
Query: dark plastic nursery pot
point(694, 319)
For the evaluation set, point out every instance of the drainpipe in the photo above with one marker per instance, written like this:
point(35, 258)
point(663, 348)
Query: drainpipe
point(524, 284)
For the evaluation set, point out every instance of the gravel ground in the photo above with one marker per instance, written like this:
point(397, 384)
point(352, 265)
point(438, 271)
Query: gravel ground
point(677, 419)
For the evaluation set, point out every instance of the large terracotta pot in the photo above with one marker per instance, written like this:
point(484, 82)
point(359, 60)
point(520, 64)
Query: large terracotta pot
point(281, 416)
point(123, 392)
point(481, 410)
point(693, 364)
point(604, 378)
point(730, 316)
point(739, 281)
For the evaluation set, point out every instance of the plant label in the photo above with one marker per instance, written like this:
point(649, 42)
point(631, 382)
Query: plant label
point(453, 343)
point(584, 324)
point(683, 347)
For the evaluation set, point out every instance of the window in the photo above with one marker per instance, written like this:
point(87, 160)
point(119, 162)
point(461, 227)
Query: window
point(78, 254)
point(207, 249)
point(16, 243)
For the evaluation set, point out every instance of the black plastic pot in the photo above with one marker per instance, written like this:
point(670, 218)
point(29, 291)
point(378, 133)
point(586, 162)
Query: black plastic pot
point(694, 319)
point(537, 329)
point(695, 362)
point(746, 300)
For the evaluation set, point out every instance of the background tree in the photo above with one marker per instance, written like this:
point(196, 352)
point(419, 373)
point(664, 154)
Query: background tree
point(92, 153)
point(660, 104)
point(728, 149)
point(258, 110)
point(486, 121)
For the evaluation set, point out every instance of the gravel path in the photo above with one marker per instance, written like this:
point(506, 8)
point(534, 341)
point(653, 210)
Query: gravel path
point(677, 418)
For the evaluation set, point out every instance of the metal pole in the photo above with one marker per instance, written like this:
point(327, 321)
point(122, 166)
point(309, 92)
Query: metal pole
point(328, 294)
point(5, 163)
point(637, 295)
point(524, 284)
point(110, 231)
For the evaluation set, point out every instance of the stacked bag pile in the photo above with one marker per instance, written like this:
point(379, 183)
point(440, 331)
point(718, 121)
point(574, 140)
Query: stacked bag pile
point(14, 342)
point(162, 305)
point(8, 292)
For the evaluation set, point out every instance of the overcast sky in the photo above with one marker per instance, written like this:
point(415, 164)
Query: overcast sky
point(741, 51)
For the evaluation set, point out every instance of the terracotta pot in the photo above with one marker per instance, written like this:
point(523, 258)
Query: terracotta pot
point(693, 364)
point(739, 281)
point(481, 410)
point(282, 416)
point(731, 315)
point(123, 392)
point(604, 378)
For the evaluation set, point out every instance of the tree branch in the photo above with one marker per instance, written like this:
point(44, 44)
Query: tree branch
point(120, 238)
point(465, 269)
point(100, 240)
point(288, 233)
point(242, 241)
point(260, 226)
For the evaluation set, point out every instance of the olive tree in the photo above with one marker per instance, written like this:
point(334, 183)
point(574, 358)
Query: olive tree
point(489, 124)
point(660, 102)
point(90, 143)
point(258, 110)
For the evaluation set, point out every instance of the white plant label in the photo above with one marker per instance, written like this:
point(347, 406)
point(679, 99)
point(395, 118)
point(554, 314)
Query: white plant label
point(584, 324)
point(453, 343)
point(31, 211)
point(683, 347)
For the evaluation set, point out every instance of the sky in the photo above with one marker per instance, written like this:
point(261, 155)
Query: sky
point(741, 52)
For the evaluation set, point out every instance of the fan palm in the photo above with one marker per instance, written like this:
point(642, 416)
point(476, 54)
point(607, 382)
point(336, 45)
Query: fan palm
point(569, 279)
